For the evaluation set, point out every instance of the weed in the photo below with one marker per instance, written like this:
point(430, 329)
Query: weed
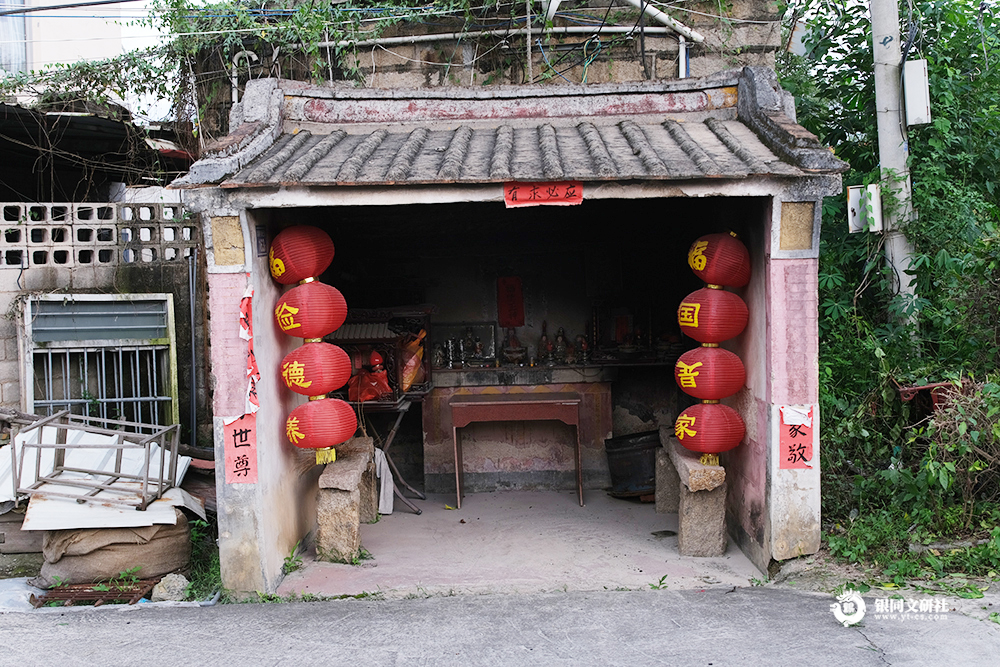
point(995, 617)
point(661, 584)
point(355, 559)
point(126, 579)
point(274, 598)
point(293, 561)
point(205, 575)
point(851, 586)
point(754, 581)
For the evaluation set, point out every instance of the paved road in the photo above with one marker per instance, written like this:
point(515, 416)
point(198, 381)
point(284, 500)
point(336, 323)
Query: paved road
point(767, 626)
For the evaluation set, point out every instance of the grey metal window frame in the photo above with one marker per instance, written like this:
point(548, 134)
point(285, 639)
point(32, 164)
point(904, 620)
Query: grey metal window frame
point(123, 353)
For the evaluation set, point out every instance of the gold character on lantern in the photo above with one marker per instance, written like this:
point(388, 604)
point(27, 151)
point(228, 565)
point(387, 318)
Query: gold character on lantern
point(683, 427)
point(277, 266)
point(286, 317)
point(686, 374)
point(687, 314)
point(292, 430)
point(696, 256)
point(295, 374)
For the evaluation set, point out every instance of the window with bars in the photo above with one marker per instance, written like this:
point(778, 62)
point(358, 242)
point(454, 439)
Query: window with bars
point(102, 355)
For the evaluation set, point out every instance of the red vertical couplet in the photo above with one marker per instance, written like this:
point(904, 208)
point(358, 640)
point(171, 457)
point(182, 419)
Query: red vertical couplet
point(510, 302)
point(240, 445)
point(246, 333)
point(796, 437)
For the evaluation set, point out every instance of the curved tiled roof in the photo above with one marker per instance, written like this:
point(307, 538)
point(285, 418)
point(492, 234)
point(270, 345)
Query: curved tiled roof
point(727, 127)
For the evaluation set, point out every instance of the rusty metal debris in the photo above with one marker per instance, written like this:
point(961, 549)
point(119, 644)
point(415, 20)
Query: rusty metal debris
point(99, 460)
point(71, 594)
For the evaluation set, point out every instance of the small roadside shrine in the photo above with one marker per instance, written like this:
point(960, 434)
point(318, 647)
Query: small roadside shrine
point(536, 241)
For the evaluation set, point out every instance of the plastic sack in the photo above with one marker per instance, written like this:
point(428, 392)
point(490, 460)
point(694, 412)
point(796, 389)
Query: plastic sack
point(368, 385)
point(413, 356)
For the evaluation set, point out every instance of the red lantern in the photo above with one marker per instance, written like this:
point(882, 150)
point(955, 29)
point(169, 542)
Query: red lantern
point(709, 373)
point(311, 310)
point(315, 368)
point(720, 259)
point(709, 428)
point(319, 424)
point(712, 315)
point(298, 253)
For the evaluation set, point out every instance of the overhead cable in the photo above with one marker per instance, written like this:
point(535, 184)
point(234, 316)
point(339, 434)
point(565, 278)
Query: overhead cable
point(91, 3)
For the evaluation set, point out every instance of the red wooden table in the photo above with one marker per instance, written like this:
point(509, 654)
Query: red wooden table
point(465, 409)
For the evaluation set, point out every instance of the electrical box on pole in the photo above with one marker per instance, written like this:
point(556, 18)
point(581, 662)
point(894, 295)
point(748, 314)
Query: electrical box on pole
point(917, 93)
point(864, 208)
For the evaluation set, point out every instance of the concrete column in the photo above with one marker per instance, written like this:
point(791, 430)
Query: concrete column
point(259, 523)
point(793, 349)
point(893, 149)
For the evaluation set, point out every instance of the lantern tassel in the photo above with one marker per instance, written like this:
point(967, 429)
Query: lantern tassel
point(709, 459)
point(325, 455)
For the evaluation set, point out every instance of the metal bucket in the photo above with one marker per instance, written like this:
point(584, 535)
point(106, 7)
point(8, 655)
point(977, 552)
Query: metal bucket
point(632, 463)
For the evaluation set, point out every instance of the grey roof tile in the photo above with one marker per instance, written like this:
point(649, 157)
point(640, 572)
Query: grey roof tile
point(622, 133)
point(667, 149)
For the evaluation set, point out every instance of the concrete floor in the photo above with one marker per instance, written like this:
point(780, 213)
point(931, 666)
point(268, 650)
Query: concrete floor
point(519, 542)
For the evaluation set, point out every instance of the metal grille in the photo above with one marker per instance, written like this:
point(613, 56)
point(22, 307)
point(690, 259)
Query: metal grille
point(111, 356)
point(123, 383)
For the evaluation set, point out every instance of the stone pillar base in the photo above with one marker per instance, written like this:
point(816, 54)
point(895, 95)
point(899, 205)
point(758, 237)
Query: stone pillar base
point(702, 522)
point(347, 496)
point(668, 495)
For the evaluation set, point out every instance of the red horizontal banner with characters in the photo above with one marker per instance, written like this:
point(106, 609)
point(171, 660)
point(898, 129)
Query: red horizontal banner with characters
point(547, 193)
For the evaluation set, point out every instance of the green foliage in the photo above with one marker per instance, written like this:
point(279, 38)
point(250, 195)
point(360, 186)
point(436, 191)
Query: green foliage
point(958, 473)
point(883, 539)
point(660, 585)
point(293, 561)
point(206, 575)
point(880, 454)
point(126, 579)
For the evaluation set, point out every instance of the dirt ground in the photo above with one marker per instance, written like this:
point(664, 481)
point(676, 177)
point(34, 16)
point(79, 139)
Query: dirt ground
point(20, 565)
point(819, 573)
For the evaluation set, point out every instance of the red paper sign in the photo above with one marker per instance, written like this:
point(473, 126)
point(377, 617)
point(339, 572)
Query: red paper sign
point(549, 193)
point(240, 444)
point(246, 333)
point(510, 302)
point(795, 438)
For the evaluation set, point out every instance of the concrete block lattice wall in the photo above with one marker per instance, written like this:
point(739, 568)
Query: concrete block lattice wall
point(83, 247)
point(68, 235)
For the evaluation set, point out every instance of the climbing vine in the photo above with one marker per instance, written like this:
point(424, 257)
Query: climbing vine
point(210, 47)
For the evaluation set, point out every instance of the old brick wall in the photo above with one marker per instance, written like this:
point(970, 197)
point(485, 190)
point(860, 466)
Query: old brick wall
point(749, 33)
point(103, 248)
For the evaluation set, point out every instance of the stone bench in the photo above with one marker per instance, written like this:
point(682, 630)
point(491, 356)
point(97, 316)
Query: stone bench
point(347, 497)
point(696, 492)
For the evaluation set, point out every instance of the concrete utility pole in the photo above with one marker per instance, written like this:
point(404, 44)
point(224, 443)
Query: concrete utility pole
point(892, 145)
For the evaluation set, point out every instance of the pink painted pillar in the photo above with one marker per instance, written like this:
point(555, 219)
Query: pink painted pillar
point(794, 352)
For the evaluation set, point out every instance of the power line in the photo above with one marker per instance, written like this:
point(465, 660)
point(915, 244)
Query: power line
point(92, 3)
